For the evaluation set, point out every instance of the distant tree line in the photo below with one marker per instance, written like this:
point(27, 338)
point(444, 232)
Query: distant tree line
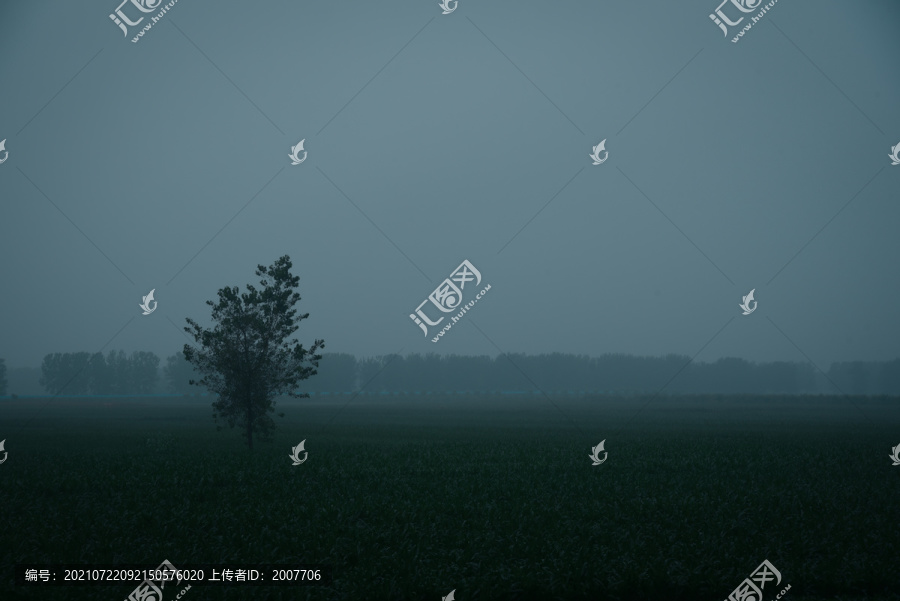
point(84, 373)
point(867, 377)
point(141, 373)
point(607, 373)
point(115, 374)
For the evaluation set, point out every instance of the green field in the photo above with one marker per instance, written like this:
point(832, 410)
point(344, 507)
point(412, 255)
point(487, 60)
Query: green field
point(493, 496)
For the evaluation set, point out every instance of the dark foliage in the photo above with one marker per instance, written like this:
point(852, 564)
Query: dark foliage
point(247, 359)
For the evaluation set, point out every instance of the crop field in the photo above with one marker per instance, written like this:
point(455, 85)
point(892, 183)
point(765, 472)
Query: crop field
point(410, 497)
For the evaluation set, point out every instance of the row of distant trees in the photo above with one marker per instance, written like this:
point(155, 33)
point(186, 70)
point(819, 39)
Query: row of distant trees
point(141, 373)
point(115, 373)
point(82, 373)
point(611, 372)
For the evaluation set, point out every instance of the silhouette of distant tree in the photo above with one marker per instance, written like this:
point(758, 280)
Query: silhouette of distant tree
point(889, 377)
point(101, 381)
point(856, 377)
point(66, 372)
point(178, 373)
point(144, 371)
point(120, 373)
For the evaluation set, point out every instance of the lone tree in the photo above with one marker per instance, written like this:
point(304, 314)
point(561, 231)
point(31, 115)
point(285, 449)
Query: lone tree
point(246, 359)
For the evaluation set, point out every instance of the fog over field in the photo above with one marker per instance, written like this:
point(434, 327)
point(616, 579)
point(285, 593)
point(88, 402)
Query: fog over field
point(491, 300)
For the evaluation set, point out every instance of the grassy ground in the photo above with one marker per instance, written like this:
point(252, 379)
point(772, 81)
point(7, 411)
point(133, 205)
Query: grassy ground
point(495, 497)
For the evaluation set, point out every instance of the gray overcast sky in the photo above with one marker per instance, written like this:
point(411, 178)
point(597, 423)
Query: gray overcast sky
point(435, 138)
